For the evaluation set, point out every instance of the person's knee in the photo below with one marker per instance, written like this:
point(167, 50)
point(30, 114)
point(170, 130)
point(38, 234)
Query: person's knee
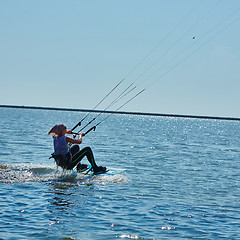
point(88, 149)
point(75, 148)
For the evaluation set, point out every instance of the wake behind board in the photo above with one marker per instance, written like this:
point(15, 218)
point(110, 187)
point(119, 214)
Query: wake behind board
point(69, 177)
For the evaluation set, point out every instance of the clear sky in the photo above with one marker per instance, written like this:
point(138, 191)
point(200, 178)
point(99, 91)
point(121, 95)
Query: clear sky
point(71, 53)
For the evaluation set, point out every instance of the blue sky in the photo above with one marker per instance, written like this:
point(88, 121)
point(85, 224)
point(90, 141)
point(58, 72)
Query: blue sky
point(72, 53)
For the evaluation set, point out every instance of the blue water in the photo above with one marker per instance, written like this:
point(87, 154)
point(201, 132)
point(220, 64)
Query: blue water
point(181, 179)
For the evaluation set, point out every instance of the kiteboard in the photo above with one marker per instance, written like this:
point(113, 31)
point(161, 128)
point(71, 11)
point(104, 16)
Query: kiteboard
point(88, 171)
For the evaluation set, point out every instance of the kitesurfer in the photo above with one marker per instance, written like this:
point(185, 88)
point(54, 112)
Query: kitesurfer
point(68, 158)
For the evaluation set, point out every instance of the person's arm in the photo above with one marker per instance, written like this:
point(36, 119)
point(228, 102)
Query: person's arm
point(75, 141)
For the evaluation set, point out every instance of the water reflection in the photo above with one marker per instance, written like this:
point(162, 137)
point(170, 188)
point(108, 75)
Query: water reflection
point(62, 204)
point(61, 193)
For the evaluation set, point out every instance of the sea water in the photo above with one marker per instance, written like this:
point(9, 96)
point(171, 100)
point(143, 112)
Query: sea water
point(181, 179)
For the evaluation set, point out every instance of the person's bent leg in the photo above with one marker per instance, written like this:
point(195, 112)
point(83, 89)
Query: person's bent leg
point(74, 150)
point(87, 151)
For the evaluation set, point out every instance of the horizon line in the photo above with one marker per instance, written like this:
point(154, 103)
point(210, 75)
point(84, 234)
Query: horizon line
point(121, 112)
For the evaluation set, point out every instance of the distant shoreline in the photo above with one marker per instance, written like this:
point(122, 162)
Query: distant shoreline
point(121, 112)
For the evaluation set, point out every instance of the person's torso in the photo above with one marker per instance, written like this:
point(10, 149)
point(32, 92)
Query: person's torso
point(60, 145)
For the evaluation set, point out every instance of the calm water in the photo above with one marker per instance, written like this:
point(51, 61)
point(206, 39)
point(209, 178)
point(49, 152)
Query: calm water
point(182, 179)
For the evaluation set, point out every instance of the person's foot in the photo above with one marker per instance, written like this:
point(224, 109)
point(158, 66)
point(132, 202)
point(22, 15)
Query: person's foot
point(82, 167)
point(99, 169)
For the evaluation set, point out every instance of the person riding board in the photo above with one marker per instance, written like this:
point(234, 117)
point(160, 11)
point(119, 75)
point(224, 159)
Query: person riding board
point(68, 158)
